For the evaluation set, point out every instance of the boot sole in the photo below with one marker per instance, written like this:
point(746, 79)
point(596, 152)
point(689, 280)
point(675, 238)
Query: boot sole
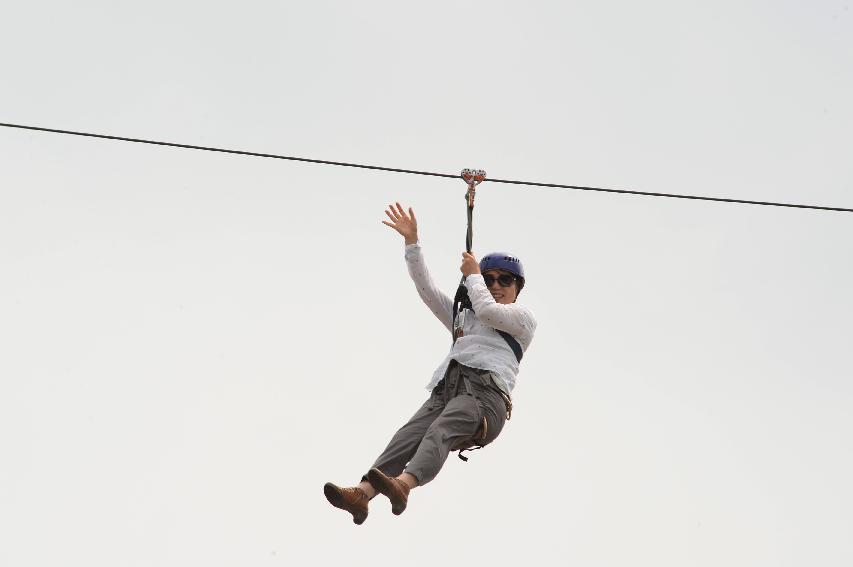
point(379, 482)
point(337, 500)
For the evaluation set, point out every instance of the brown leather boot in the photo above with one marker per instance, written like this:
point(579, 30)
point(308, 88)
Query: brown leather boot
point(397, 491)
point(353, 500)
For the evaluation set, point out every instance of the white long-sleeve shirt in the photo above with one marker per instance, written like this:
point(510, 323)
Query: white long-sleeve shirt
point(480, 346)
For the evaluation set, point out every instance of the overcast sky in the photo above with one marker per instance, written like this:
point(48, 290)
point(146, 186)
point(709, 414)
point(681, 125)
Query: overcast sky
point(192, 343)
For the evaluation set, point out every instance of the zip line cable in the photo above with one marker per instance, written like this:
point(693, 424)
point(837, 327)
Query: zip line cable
point(416, 172)
point(225, 150)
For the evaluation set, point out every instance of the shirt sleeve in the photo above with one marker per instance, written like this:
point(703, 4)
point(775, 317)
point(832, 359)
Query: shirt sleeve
point(439, 303)
point(515, 319)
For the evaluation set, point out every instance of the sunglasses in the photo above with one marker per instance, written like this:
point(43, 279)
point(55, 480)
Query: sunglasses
point(504, 279)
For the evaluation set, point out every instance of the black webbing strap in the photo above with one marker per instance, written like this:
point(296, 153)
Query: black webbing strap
point(513, 344)
point(469, 236)
point(461, 300)
point(463, 457)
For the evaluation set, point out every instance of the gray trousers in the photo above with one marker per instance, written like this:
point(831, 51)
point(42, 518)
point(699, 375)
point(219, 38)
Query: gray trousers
point(450, 417)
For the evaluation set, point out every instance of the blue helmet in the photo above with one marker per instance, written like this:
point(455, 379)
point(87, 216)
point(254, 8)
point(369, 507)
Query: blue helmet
point(506, 262)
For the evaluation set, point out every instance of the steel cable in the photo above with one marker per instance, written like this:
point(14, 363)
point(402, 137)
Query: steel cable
point(417, 172)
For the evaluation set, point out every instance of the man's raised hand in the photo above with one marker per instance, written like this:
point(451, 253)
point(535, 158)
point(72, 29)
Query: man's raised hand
point(405, 224)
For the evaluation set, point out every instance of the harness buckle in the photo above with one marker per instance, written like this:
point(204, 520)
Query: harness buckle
point(459, 325)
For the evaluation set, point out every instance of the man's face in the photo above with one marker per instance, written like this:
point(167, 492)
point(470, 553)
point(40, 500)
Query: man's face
point(495, 281)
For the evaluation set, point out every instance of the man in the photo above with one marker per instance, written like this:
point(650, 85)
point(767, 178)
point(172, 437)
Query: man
point(470, 391)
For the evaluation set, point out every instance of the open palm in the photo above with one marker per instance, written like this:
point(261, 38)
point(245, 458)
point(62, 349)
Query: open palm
point(404, 223)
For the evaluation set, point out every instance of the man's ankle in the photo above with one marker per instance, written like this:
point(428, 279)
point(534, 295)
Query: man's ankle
point(367, 488)
point(408, 479)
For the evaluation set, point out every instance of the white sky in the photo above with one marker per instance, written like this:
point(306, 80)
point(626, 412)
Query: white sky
point(191, 344)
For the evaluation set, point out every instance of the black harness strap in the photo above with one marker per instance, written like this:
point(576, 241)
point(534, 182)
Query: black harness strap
point(461, 301)
point(463, 457)
point(513, 344)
